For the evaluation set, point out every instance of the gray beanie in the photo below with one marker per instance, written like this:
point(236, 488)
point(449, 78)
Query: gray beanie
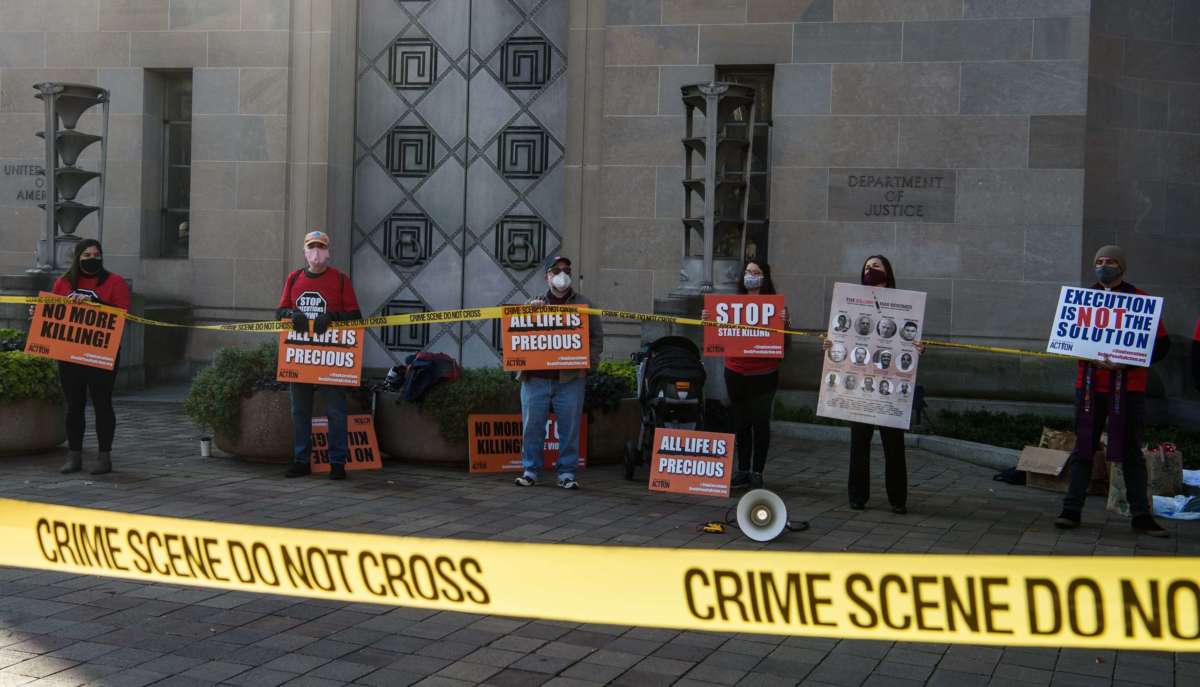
point(1116, 253)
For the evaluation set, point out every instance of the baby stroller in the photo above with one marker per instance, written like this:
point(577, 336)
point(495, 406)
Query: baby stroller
point(670, 382)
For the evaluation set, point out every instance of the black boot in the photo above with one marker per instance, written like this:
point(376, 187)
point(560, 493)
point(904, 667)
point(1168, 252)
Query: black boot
point(337, 471)
point(1067, 520)
point(740, 478)
point(1145, 524)
point(298, 470)
point(756, 480)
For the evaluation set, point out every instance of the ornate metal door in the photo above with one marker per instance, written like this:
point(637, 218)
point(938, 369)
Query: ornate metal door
point(459, 140)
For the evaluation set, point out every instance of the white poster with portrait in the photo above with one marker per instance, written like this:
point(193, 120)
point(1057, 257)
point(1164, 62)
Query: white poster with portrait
point(869, 373)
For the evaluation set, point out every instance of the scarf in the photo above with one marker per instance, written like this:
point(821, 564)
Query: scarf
point(1085, 428)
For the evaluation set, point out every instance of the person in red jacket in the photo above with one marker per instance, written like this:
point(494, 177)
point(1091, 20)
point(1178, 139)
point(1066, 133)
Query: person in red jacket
point(1113, 396)
point(87, 280)
point(320, 294)
point(751, 384)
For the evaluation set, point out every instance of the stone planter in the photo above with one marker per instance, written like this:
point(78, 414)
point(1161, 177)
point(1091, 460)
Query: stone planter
point(608, 432)
point(266, 421)
point(31, 426)
point(406, 432)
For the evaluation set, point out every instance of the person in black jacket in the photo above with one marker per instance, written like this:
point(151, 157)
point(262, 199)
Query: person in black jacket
point(877, 272)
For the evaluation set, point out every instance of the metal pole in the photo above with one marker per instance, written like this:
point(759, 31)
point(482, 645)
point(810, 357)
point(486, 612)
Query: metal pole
point(746, 177)
point(103, 171)
point(712, 148)
point(51, 94)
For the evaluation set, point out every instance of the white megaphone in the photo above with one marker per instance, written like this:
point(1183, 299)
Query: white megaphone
point(761, 515)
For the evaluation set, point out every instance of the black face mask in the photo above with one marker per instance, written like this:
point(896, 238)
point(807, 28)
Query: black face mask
point(91, 266)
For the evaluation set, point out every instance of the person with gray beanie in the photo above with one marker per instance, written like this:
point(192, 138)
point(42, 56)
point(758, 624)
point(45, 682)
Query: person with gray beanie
point(1113, 397)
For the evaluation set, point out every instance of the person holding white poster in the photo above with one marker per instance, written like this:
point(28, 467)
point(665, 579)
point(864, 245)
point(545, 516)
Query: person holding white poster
point(1113, 397)
point(885, 344)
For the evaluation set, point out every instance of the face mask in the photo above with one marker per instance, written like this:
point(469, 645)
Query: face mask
point(752, 281)
point(561, 281)
point(1108, 273)
point(875, 277)
point(316, 257)
point(91, 265)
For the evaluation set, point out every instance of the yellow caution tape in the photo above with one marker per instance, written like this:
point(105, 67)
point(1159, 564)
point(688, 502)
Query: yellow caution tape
point(1061, 601)
point(493, 312)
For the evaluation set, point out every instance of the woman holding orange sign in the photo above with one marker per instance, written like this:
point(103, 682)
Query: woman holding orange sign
point(751, 384)
point(88, 281)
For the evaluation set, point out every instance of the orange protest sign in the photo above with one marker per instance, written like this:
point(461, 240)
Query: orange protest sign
point(544, 339)
point(729, 339)
point(689, 462)
point(494, 443)
point(333, 358)
point(363, 449)
point(75, 333)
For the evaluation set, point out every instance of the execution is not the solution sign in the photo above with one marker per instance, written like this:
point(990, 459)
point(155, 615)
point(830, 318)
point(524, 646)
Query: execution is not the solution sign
point(1109, 326)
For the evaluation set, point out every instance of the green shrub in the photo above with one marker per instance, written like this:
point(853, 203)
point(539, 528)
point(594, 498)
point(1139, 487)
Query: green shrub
point(787, 413)
point(625, 369)
point(11, 339)
point(214, 401)
point(997, 429)
point(612, 382)
point(490, 390)
point(24, 377)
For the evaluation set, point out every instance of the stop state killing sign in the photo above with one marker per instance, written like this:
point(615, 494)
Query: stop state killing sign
point(733, 314)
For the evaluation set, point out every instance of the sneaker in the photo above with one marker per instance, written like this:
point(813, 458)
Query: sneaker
point(857, 506)
point(568, 483)
point(900, 510)
point(1145, 524)
point(756, 480)
point(337, 472)
point(1067, 520)
point(298, 470)
point(525, 481)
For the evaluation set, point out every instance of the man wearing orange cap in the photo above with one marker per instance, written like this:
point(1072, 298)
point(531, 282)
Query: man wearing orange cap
point(320, 294)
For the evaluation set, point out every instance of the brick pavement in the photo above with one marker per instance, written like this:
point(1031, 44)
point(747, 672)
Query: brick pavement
point(58, 629)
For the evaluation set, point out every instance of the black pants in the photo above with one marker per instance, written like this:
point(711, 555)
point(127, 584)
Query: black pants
point(894, 468)
point(1133, 464)
point(77, 382)
point(751, 398)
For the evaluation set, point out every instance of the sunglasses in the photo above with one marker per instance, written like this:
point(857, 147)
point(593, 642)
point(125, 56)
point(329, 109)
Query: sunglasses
point(557, 270)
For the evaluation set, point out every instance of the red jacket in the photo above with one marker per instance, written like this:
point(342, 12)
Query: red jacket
point(1135, 377)
point(106, 288)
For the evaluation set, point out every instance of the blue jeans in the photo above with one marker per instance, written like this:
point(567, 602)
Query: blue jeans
point(335, 408)
point(539, 397)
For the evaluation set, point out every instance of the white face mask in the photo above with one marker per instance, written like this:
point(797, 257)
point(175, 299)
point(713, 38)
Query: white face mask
point(317, 257)
point(561, 281)
point(752, 281)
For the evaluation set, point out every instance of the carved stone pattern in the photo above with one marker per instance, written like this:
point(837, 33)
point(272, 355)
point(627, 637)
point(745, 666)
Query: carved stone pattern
point(525, 63)
point(410, 151)
point(407, 337)
point(520, 241)
point(407, 239)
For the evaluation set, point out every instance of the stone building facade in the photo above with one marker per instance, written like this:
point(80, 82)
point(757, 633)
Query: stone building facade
point(448, 144)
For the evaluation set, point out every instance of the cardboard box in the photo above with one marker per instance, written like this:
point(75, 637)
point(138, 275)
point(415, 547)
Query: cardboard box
point(1045, 468)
